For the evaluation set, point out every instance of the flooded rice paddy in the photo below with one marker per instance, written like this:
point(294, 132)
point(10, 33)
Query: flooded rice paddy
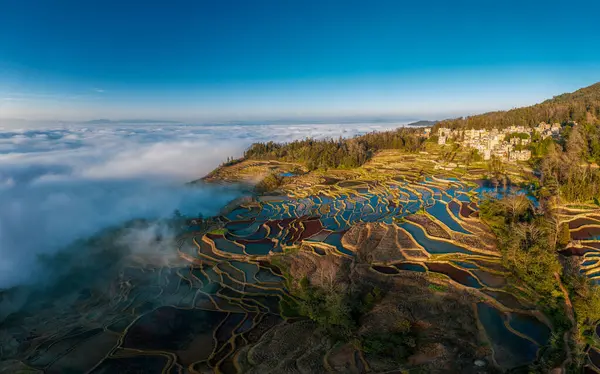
point(437, 218)
point(198, 314)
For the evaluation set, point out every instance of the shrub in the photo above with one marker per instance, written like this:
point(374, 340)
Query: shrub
point(270, 183)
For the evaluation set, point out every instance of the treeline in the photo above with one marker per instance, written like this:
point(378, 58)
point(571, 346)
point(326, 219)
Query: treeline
point(582, 106)
point(340, 153)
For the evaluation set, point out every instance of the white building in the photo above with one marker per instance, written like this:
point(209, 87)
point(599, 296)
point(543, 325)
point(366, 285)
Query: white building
point(487, 154)
point(523, 155)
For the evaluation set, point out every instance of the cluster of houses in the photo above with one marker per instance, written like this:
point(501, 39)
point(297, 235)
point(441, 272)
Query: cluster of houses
point(508, 144)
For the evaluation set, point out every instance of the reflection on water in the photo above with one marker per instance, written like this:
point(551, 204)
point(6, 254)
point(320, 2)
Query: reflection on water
point(510, 349)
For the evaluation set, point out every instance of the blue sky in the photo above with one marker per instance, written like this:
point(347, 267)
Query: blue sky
point(233, 60)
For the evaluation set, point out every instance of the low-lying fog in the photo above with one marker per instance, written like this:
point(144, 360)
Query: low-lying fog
point(63, 183)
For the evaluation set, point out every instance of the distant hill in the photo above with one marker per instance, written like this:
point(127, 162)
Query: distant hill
point(127, 121)
point(423, 123)
point(581, 106)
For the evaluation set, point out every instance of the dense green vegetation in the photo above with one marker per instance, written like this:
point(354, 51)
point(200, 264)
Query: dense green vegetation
point(529, 241)
point(582, 106)
point(340, 153)
point(334, 310)
point(564, 170)
point(585, 298)
point(520, 135)
point(540, 147)
point(396, 344)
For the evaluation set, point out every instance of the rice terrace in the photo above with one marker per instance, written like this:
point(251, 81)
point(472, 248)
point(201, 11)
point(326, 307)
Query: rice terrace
point(417, 278)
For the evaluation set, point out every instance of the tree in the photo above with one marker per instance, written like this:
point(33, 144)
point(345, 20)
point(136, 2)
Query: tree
point(564, 236)
point(516, 205)
point(576, 144)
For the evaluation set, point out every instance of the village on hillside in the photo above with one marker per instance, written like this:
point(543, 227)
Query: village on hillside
point(508, 144)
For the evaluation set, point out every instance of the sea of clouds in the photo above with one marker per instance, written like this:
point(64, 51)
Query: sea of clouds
point(61, 183)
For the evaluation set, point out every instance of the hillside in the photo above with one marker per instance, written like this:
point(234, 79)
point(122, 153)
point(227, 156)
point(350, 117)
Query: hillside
point(581, 106)
point(422, 123)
